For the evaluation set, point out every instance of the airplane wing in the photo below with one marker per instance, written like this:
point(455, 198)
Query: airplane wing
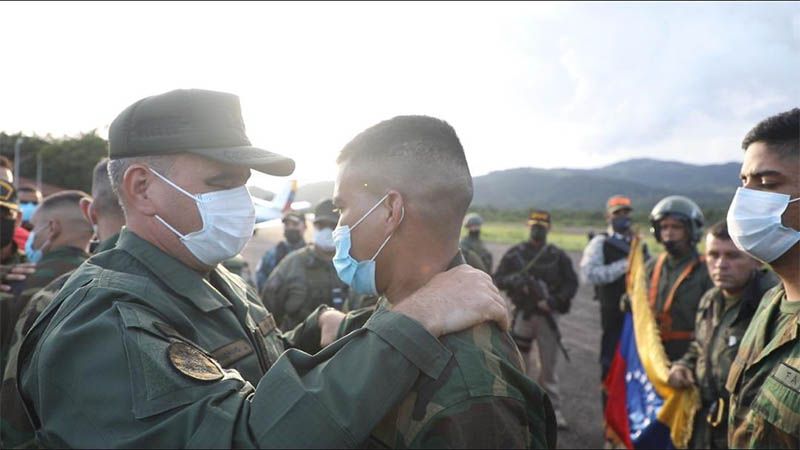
point(283, 202)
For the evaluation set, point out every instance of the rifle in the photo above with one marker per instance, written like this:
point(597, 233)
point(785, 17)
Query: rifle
point(527, 285)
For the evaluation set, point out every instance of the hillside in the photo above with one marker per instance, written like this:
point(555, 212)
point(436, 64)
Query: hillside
point(645, 180)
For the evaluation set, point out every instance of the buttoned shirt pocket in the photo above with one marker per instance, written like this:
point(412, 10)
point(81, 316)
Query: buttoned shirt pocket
point(167, 372)
point(778, 401)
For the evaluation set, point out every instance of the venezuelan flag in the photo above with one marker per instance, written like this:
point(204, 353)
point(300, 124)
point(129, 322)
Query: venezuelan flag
point(643, 411)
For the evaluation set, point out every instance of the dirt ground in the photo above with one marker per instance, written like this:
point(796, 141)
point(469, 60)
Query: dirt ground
point(580, 378)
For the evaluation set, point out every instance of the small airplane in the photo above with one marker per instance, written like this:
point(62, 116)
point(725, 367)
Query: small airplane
point(283, 202)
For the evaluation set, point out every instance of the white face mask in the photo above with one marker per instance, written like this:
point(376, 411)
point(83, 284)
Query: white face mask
point(324, 239)
point(754, 223)
point(228, 221)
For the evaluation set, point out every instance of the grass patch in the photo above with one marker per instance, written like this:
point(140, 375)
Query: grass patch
point(572, 239)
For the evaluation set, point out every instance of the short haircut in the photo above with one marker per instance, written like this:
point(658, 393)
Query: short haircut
point(63, 198)
point(720, 230)
point(422, 158)
point(105, 200)
point(6, 163)
point(117, 167)
point(781, 133)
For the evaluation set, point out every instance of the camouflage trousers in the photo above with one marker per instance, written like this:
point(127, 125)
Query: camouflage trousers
point(538, 343)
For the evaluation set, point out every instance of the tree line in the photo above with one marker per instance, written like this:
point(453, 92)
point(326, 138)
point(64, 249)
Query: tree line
point(66, 162)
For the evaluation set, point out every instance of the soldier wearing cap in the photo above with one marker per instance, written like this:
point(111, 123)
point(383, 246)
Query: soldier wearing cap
point(604, 263)
point(541, 282)
point(294, 227)
point(305, 278)
point(10, 219)
point(12, 255)
point(472, 243)
point(677, 278)
point(154, 344)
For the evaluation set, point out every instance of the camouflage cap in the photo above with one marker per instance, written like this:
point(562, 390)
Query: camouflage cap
point(539, 217)
point(617, 203)
point(8, 196)
point(325, 212)
point(200, 122)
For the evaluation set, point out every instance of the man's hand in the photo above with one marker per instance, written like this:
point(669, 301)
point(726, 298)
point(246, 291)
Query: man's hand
point(17, 272)
point(680, 377)
point(456, 300)
point(329, 321)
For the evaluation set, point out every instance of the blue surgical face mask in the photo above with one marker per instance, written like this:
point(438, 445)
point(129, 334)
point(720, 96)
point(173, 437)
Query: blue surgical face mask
point(33, 255)
point(359, 275)
point(621, 224)
point(27, 208)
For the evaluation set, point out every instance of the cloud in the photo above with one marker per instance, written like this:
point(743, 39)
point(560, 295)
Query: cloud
point(544, 85)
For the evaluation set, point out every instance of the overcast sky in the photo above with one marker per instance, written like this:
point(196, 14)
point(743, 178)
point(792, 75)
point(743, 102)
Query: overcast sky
point(541, 85)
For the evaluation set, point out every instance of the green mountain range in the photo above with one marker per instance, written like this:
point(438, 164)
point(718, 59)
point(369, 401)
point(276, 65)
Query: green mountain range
point(644, 180)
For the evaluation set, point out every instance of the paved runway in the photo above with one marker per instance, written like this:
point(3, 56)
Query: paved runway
point(580, 378)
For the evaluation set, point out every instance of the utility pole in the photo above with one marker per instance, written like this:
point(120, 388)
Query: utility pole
point(39, 171)
point(17, 149)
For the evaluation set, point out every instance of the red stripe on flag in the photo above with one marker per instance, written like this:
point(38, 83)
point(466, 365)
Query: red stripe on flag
point(616, 413)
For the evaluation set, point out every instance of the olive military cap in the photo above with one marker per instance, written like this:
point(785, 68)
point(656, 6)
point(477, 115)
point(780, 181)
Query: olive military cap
point(325, 212)
point(200, 122)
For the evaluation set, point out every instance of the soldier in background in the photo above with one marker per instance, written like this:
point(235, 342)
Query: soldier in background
point(105, 215)
point(541, 282)
point(29, 200)
point(294, 227)
point(305, 278)
point(57, 245)
point(604, 263)
point(677, 278)
point(722, 318)
point(472, 243)
point(10, 218)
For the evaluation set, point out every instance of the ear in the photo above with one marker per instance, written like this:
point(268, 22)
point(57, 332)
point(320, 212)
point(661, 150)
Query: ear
point(55, 229)
point(136, 184)
point(397, 210)
point(88, 211)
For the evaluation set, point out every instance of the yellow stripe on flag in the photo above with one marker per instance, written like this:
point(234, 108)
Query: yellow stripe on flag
point(680, 405)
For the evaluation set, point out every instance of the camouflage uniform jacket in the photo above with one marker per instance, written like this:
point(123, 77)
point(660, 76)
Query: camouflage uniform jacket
point(481, 400)
point(677, 325)
point(718, 333)
point(272, 258)
point(554, 268)
point(138, 350)
point(476, 245)
point(764, 381)
point(303, 281)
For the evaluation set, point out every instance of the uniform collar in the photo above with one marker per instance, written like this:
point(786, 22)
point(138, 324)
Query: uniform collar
point(789, 333)
point(107, 244)
point(184, 281)
point(66, 251)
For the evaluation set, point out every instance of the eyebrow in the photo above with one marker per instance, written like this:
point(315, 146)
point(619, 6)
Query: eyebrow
point(762, 174)
point(221, 178)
